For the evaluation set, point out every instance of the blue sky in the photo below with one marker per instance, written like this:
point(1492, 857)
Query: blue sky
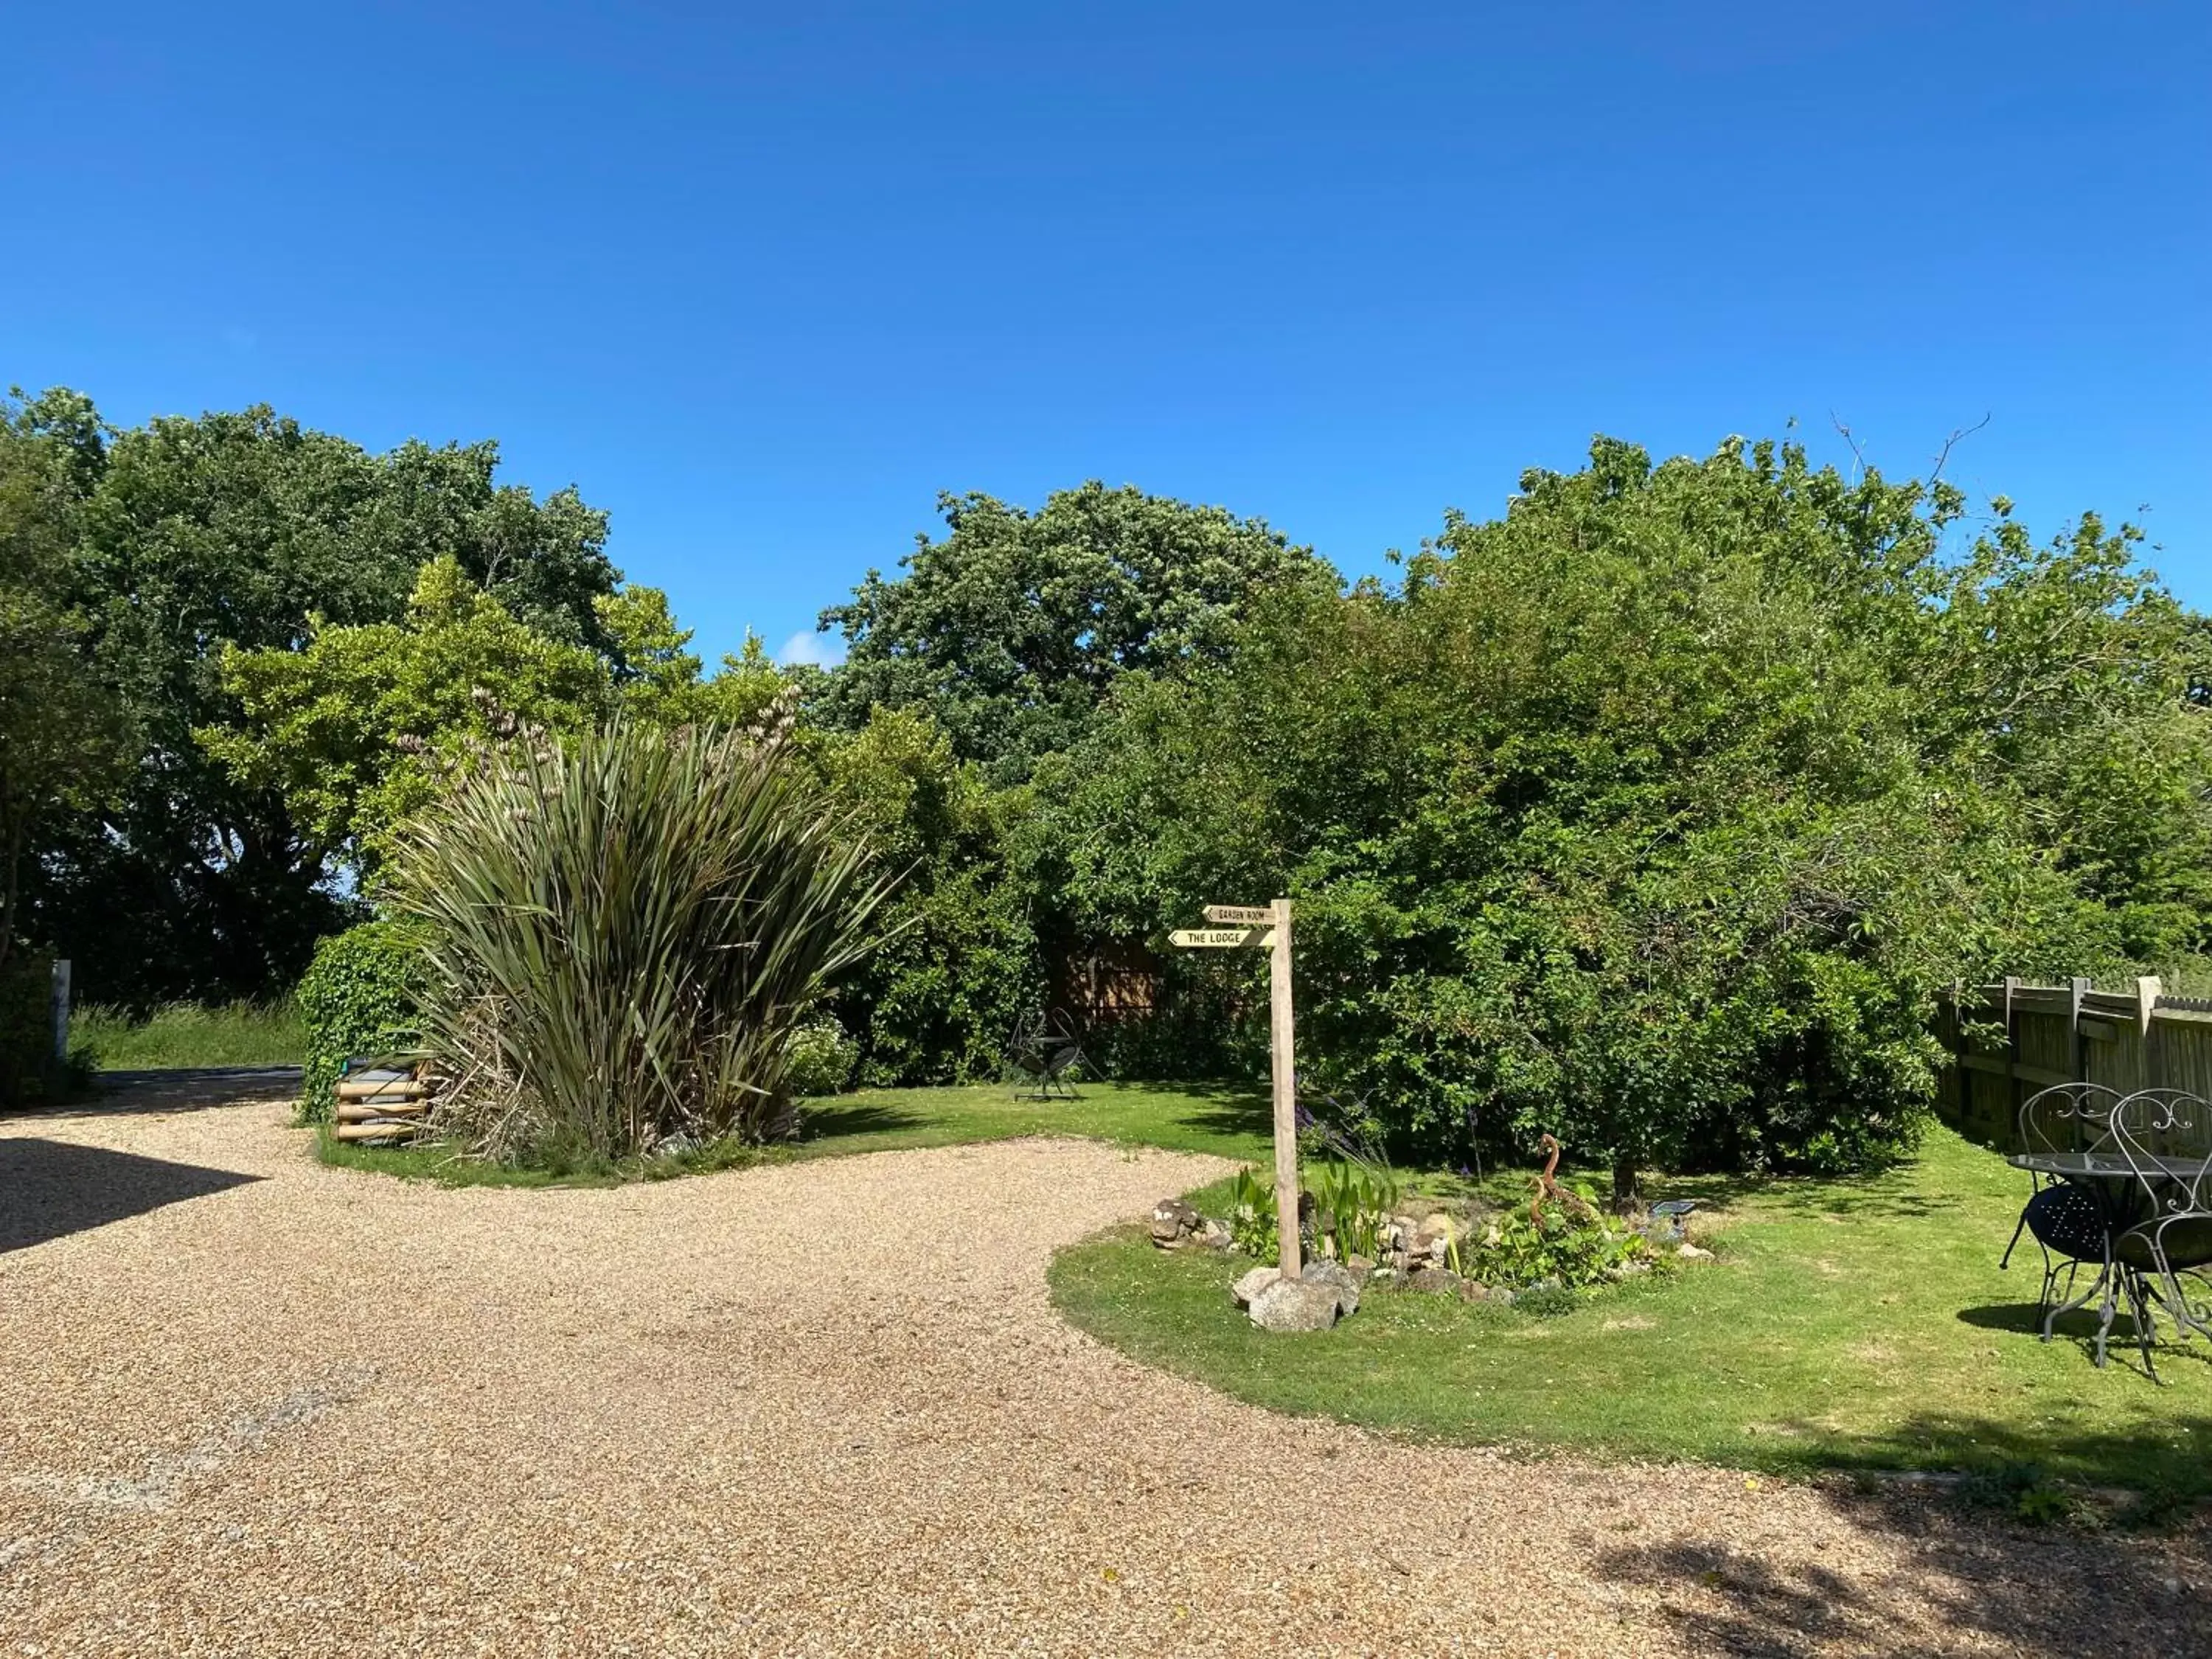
point(762, 280)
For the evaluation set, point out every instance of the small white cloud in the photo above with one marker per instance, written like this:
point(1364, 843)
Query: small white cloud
point(808, 646)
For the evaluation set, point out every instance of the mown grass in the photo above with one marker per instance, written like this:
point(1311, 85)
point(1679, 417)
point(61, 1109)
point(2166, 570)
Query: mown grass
point(1232, 1122)
point(1858, 1324)
point(180, 1035)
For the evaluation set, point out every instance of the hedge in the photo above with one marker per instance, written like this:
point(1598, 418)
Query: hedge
point(358, 999)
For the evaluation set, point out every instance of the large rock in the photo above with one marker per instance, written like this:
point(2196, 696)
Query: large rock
point(1213, 1236)
point(1174, 1222)
point(1342, 1279)
point(1252, 1283)
point(1295, 1304)
point(1434, 1280)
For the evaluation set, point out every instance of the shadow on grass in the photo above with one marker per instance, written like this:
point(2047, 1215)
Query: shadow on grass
point(1229, 1109)
point(55, 1188)
point(833, 1121)
point(2078, 1330)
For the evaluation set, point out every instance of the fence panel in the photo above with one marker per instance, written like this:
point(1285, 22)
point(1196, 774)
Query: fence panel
point(2009, 1041)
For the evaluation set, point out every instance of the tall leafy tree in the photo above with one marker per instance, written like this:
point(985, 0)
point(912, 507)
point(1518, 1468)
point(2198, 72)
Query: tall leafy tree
point(1655, 813)
point(64, 728)
point(348, 730)
point(195, 535)
point(1009, 630)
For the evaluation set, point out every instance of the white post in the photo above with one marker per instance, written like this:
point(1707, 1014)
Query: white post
point(1286, 1093)
point(60, 1008)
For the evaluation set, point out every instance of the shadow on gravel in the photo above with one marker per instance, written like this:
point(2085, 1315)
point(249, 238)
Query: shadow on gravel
point(184, 1088)
point(2051, 1592)
point(52, 1189)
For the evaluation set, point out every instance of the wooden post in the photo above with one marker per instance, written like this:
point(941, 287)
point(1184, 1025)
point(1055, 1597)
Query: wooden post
point(58, 1008)
point(1286, 1093)
point(2148, 992)
point(2079, 987)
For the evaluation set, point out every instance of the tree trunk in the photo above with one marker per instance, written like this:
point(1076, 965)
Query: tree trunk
point(1627, 1198)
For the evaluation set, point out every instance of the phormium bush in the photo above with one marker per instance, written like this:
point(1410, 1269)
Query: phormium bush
point(622, 934)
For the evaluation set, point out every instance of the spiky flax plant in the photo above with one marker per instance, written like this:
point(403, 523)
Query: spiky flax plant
point(623, 933)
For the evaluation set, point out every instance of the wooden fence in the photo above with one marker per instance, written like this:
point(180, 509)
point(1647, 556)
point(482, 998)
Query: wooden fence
point(2008, 1041)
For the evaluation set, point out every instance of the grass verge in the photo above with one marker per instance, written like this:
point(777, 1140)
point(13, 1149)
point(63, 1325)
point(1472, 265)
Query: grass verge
point(1859, 1324)
point(180, 1035)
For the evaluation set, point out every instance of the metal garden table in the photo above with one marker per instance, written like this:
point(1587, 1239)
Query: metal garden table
point(2124, 1199)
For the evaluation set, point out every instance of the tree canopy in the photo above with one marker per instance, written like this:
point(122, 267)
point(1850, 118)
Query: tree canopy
point(64, 727)
point(1656, 812)
point(189, 535)
point(1009, 631)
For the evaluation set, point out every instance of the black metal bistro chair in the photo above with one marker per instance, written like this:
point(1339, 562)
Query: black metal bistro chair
point(2165, 1136)
point(2064, 1218)
point(1045, 1055)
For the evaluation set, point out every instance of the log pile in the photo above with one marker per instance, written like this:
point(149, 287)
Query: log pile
point(383, 1104)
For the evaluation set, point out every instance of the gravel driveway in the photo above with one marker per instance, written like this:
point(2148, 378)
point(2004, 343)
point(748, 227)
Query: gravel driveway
point(249, 1405)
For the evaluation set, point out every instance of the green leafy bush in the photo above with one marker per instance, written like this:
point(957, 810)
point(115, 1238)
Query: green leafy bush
point(28, 1069)
point(359, 998)
point(1657, 813)
point(1252, 1228)
point(822, 1058)
point(1352, 1204)
point(620, 936)
point(960, 965)
point(1571, 1251)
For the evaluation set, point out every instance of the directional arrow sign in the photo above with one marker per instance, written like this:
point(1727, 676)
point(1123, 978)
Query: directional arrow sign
point(1221, 938)
point(1245, 916)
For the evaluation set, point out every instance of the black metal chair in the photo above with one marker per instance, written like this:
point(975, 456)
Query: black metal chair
point(2165, 1136)
point(2064, 1219)
point(1045, 1054)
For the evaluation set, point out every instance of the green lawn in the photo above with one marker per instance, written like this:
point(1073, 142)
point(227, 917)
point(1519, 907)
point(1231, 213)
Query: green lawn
point(1198, 1118)
point(186, 1034)
point(1846, 1324)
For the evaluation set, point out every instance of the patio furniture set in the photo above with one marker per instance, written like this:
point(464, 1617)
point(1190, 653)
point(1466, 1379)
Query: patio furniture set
point(2123, 1185)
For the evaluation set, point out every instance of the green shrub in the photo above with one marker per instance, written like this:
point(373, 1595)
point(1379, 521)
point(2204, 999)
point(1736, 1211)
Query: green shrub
point(359, 998)
point(620, 936)
point(1352, 1204)
point(1571, 1251)
point(1252, 1222)
point(28, 1069)
point(822, 1058)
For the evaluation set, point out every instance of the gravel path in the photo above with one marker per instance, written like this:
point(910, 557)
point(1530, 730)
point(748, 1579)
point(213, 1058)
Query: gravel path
point(249, 1405)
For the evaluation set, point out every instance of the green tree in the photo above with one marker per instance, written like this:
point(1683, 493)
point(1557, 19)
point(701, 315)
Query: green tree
point(1642, 815)
point(1010, 629)
point(936, 1002)
point(349, 731)
point(64, 730)
point(192, 535)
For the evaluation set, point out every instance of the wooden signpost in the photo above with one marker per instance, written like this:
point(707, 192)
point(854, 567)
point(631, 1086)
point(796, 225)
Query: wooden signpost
point(1254, 926)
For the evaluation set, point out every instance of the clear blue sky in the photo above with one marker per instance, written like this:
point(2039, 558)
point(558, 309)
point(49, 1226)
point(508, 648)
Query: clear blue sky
point(762, 281)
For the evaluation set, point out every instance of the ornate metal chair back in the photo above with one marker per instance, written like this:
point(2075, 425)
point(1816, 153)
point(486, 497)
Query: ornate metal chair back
point(2068, 1117)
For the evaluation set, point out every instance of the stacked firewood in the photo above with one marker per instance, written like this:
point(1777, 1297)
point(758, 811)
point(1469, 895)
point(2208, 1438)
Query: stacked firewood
point(383, 1103)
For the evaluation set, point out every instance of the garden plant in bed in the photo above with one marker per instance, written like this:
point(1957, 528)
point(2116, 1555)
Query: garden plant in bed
point(618, 941)
point(1854, 1324)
